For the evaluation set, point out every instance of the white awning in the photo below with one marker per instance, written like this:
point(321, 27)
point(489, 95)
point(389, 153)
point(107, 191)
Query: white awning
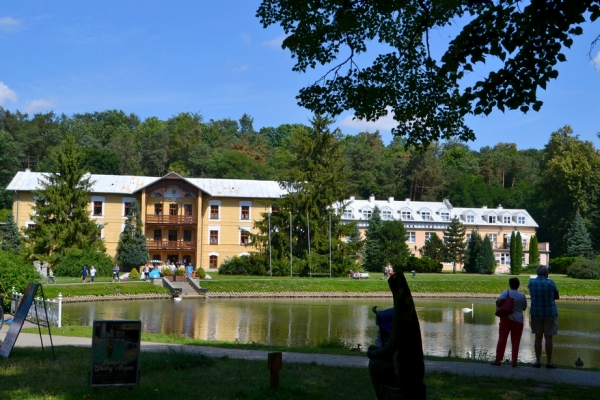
point(523, 236)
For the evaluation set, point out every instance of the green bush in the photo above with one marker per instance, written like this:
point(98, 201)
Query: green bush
point(180, 271)
point(134, 274)
point(422, 265)
point(167, 272)
point(200, 273)
point(560, 265)
point(16, 272)
point(72, 263)
point(584, 268)
point(243, 265)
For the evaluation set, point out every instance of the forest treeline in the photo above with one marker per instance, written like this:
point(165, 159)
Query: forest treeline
point(552, 184)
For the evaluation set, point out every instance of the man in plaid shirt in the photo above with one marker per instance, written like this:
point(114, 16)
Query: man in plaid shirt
point(544, 314)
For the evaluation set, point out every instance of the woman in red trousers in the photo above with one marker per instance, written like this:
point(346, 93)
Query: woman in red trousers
point(512, 324)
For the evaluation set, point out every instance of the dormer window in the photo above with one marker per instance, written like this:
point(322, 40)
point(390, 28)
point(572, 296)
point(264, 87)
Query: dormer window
point(506, 219)
point(348, 214)
point(445, 216)
point(521, 220)
point(426, 215)
point(386, 215)
point(492, 219)
point(406, 216)
point(470, 218)
point(367, 213)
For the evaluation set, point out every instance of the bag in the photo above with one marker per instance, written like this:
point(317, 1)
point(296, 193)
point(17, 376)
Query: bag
point(507, 306)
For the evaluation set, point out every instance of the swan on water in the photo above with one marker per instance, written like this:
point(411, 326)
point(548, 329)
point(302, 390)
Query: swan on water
point(468, 309)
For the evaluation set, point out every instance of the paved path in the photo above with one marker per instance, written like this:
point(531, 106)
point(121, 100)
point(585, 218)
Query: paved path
point(568, 376)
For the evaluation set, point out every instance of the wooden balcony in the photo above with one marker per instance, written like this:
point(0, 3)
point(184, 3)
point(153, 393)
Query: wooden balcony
point(170, 245)
point(152, 219)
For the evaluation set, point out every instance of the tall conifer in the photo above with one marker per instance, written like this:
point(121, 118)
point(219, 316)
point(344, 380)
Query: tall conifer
point(132, 250)
point(534, 252)
point(579, 243)
point(10, 237)
point(455, 242)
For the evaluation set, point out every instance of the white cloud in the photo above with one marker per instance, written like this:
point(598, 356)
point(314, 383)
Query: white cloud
point(38, 105)
point(596, 61)
point(6, 93)
point(276, 42)
point(385, 123)
point(246, 38)
point(9, 24)
point(241, 68)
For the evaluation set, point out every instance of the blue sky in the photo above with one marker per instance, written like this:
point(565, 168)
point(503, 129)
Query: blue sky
point(159, 58)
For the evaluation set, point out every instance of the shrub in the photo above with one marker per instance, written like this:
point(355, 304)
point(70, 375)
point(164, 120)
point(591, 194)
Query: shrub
point(180, 271)
point(560, 265)
point(243, 265)
point(134, 274)
point(423, 265)
point(167, 272)
point(16, 272)
point(584, 268)
point(72, 263)
point(200, 273)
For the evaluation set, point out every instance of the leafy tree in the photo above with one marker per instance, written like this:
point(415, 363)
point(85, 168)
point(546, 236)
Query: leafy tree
point(455, 245)
point(485, 262)
point(434, 248)
point(374, 247)
point(62, 215)
point(523, 45)
point(579, 243)
point(132, 250)
point(516, 253)
point(534, 252)
point(9, 165)
point(10, 237)
point(355, 244)
point(16, 272)
point(472, 252)
point(393, 244)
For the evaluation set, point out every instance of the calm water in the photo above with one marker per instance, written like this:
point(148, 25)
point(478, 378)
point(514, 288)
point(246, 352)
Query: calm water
point(444, 325)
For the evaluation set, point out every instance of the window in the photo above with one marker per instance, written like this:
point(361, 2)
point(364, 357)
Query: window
point(468, 237)
point(31, 225)
point(187, 210)
point(367, 214)
point(213, 262)
point(445, 216)
point(493, 238)
point(386, 215)
point(187, 235)
point(157, 208)
point(157, 235)
point(405, 215)
point(214, 212)
point(173, 209)
point(98, 208)
point(505, 259)
point(274, 210)
point(348, 213)
point(524, 242)
point(470, 218)
point(411, 237)
point(426, 216)
point(126, 208)
point(506, 219)
point(521, 220)
point(214, 237)
point(245, 212)
point(492, 219)
point(428, 235)
point(244, 237)
point(172, 235)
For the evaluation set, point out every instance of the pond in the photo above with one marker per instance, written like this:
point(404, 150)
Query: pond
point(444, 325)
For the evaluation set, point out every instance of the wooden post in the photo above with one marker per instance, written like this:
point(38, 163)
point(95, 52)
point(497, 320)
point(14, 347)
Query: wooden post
point(275, 364)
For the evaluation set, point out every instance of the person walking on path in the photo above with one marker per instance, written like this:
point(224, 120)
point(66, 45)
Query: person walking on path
point(84, 274)
point(544, 314)
point(512, 323)
point(51, 276)
point(116, 273)
point(92, 273)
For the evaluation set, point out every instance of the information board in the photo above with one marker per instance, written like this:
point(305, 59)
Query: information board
point(18, 320)
point(115, 353)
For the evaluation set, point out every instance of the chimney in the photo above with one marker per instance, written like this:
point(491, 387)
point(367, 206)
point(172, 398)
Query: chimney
point(484, 207)
point(390, 199)
point(352, 198)
point(499, 206)
point(371, 198)
point(407, 200)
point(27, 170)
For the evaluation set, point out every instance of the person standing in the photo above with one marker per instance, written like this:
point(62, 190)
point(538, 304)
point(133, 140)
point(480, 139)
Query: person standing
point(544, 314)
point(92, 273)
point(512, 323)
point(84, 274)
point(51, 275)
point(116, 273)
point(385, 272)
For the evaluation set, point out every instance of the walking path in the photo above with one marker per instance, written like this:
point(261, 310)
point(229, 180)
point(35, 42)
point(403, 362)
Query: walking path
point(567, 376)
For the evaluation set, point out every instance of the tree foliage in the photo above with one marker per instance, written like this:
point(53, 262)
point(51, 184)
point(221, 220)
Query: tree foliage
point(534, 252)
point(429, 96)
point(516, 253)
point(434, 248)
point(472, 252)
point(579, 243)
point(486, 261)
point(132, 250)
point(374, 255)
point(11, 239)
point(454, 238)
point(393, 244)
point(16, 272)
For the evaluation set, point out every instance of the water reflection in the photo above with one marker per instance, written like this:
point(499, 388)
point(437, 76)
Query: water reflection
point(444, 324)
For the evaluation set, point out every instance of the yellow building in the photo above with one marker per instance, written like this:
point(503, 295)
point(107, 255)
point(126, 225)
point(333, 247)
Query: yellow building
point(193, 220)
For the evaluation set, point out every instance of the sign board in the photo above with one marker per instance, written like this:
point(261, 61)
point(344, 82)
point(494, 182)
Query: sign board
point(18, 320)
point(115, 353)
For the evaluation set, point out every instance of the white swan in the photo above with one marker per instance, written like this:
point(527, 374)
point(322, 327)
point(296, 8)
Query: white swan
point(469, 309)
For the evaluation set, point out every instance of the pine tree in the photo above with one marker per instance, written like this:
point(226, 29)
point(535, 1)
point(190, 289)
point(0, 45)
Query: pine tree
point(455, 244)
point(10, 237)
point(132, 250)
point(374, 246)
point(62, 212)
point(534, 252)
point(434, 248)
point(516, 253)
point(513, 266)
point(472, 252)
point(579, 243)
point(393, 243)
point(486, 261)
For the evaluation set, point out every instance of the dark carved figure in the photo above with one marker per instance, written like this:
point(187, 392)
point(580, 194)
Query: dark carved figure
point(397, 369)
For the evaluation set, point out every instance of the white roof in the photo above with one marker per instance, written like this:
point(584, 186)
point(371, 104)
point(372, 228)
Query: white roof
point(127, 184)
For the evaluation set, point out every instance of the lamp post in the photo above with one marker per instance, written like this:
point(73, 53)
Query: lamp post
point(309, 260)
point(330, 245)
point(291, 262)
point(270, 257)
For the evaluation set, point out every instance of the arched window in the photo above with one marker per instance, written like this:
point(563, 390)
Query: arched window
point(213, 262)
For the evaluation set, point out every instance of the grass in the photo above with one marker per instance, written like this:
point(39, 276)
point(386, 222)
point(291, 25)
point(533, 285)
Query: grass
point(31, 374)
point(101, 289)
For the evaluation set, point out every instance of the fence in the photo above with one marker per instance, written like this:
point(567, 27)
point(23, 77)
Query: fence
point(53, 307)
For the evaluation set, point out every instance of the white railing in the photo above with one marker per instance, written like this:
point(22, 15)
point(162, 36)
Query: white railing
point(53, 308)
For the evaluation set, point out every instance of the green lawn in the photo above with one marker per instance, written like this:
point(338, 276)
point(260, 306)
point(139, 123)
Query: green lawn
point(31, 374)
point(51, 291)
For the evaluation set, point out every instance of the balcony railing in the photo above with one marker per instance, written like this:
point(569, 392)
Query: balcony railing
point(170, 245)
point(171, 219)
